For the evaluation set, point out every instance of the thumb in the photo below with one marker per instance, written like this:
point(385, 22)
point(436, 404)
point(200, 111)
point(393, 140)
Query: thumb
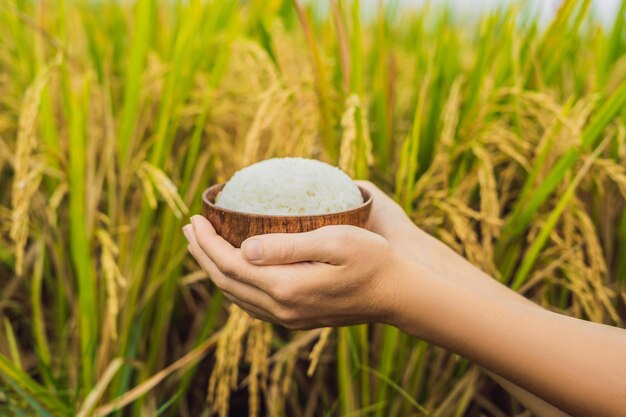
point(326, 244)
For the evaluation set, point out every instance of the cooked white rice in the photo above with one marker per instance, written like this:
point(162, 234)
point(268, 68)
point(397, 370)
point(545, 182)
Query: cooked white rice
point(290, 186)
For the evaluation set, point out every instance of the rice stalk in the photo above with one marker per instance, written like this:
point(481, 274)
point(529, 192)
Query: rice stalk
point(489, 208)
point(113, 278)
point(539, 242)
point(613, 171)
point(321, 81)
point(153, 178)
point(257, 355)
point(355, 155)
point(316, 352)
point(408, 164)
point(28, 172)
point(127, 398)
point(13, 345)
point(39, 323)
point(280, 382)
point(91, 400)
point(252, 139)
point(56, 198)
point(223, 378)
point(137, 54)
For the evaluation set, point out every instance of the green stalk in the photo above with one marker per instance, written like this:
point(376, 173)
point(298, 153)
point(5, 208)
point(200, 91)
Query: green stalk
point(147, 214)
point(507, 251)
point(12, 342)
point(209, 325)
point(41, 340)
point(347, 400)
point(407, 170)
point(322, 84)
point(389, 346)
point(79, 238)
point(133, 81)
point(364, 362)
point(621, 257)
point(531, 254)
point(356, 51)
point(518, 222)
point(382, 109)
point(21, 379)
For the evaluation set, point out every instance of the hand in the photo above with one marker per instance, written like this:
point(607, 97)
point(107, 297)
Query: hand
point(332, 276)
point(386, 217)
point(390, 221)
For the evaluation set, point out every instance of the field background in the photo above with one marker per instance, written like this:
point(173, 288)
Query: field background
point(504, 138)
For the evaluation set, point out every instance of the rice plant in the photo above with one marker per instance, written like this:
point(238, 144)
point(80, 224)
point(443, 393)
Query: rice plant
point(504, 138)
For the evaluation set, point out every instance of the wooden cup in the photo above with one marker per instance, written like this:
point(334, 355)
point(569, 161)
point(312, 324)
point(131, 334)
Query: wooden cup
point(235, 226)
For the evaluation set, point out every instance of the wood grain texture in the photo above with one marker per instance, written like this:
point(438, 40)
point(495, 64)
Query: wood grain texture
point(235, 227)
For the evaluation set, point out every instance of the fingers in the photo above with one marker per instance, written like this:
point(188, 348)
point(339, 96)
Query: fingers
point(252, 310)
point(270, 306)
point(281, 291)
point(226, 258)
point(327, 244)
point(300, 280)
point(242, 291)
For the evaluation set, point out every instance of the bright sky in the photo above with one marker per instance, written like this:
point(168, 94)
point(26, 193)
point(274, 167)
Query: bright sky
point(605, 9)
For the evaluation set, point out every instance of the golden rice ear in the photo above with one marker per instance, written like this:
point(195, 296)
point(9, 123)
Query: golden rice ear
point(228, 354)
point(153, 178)
point(283, 363)
point(112, 276)
point(257, 355)
point(355, 155)
point(489, 210)
point(27, 173)
point(316, 352)
point(257, 334)
point(280, 381)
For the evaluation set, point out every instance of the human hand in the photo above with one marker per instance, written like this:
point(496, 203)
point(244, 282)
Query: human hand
point(332, 276)
point(387, 217)
point(390, 221)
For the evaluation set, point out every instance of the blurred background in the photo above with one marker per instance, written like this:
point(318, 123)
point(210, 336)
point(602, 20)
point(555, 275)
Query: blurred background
point(604, 10)
point(499, 128)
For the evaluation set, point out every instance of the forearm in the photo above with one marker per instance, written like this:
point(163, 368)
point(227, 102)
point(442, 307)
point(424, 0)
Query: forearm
point(536, 405)
point(576, 365)
point(409, 241)
point(449, 265)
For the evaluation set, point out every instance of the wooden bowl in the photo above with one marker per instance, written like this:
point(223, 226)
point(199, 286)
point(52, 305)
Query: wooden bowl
point(236, 226)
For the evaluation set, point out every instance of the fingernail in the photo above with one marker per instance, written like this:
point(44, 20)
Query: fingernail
point(186, 231)
point(252, 250)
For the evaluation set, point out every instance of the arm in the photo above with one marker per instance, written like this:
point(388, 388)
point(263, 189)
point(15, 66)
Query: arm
point(389, 220)
point(399, 275)
point(535, 404)
point(576, 365)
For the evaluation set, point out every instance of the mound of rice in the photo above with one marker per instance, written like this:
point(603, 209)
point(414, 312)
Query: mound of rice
point(290, 186)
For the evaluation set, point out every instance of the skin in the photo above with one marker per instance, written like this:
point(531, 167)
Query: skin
point(397, 274)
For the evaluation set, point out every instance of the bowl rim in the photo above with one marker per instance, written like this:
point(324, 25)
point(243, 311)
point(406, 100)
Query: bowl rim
point(207, 202)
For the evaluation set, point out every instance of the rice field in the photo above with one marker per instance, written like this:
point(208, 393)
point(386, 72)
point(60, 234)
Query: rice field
point(503, 138)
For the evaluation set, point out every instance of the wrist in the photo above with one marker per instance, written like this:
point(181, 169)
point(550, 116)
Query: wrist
point(403, 237)
point(431, 307)
point(411, 296)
